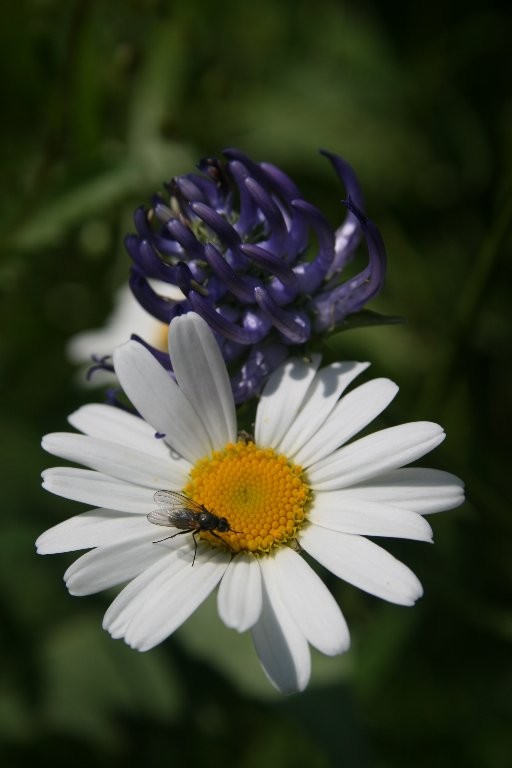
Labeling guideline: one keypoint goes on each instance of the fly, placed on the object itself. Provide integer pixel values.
(179, 511)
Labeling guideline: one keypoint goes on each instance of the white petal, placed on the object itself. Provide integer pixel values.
(362, 563)
(377, 453)
(175, 594)
(128, 602)
(281, 646)
(309, 602)
(95, 528)
(421, 490)
(160, 401)
(113, 459)
(127, 317)
(92, 487)
(202, 376)
(239, 596)
(354, 411)
(118, 426)
(281, 399)
(339, 511)
(320, 399)
(107, 566)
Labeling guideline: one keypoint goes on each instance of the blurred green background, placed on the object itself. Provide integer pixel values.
(102, 102)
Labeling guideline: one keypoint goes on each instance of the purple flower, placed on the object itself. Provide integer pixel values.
(255, 259)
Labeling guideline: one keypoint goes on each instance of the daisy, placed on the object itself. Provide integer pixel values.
(299, 484)
(127, 317)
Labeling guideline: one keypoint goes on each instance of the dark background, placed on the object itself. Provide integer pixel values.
(102, 102)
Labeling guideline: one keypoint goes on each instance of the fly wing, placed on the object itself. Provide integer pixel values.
(177, 511)
(172, 499)
(175, 501)
(182, 518)
(161, 517)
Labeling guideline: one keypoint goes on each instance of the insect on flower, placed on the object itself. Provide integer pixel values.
(180, 511)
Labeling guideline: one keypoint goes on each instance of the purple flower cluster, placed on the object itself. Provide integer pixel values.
(256, 260)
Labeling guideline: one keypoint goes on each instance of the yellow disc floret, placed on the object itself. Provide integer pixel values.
(262, 495)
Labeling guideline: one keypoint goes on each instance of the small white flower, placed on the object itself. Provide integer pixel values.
(127, 317)
(300, 484)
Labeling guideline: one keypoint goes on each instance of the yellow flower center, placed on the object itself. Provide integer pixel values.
(261, 494)
(160, 336)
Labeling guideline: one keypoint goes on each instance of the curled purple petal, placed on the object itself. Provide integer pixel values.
(221, 325)
(348, 234)
(274, 266)
(218, 224)
(271, 213)
(146, 258)
(293, 325)
(310, 274)
(161, 241)
(242, 289)
(261, 361)
(347, 176)
(332, 307)
(184, 236)
(190, 190)
(253, 168)
(156, 305)
(248, 210)
(280, 182)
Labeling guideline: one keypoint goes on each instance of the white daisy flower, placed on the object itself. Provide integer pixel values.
(127, 317)
(299, 485)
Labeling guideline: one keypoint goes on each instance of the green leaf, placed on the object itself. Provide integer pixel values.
(366, 318)
(88, 677)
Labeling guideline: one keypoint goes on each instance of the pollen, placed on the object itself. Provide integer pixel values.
(262, 495)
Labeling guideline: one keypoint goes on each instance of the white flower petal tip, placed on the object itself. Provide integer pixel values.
(44, 545)
(47, 442)
(100, 490)
(110, 565)
(48, 543)
(282, 648)
(115, 425)
(349, 416)
(202, 376)
(160, 401)
(416, 489)
(307, 433)
(362, 563)
(309, 602)
(190, 323)
(282, 398)
(239, 599)
(375, 454)
(339, 511)
(95, 528)
(152, 607)
(122, 463)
